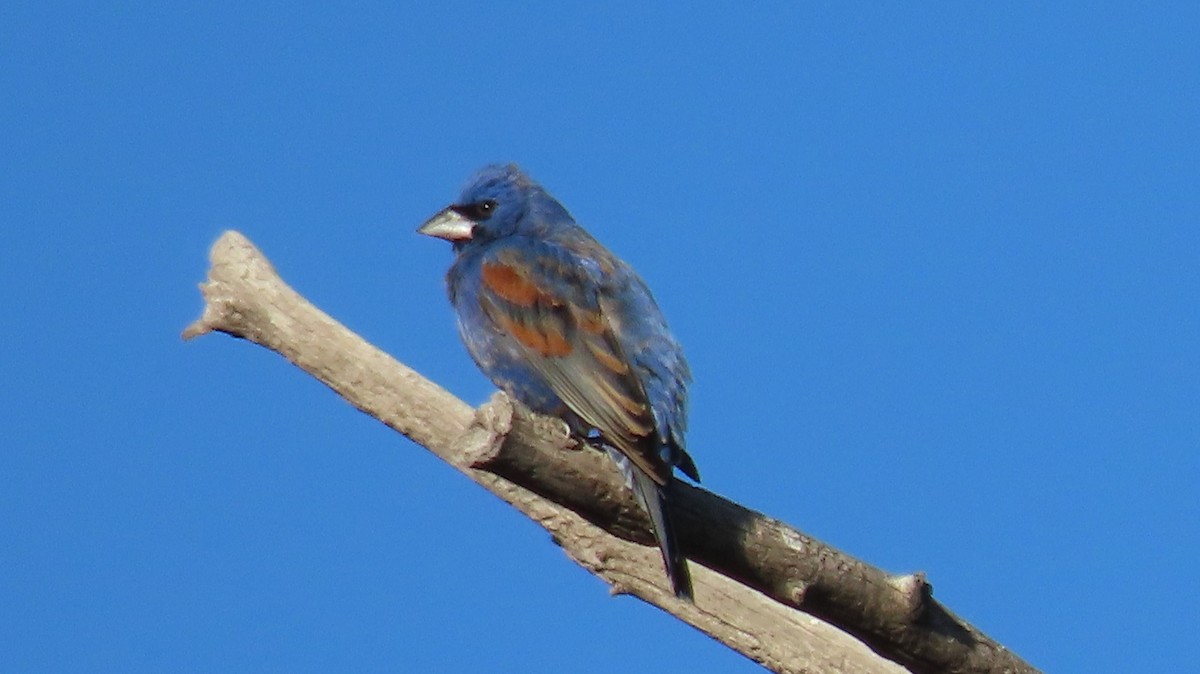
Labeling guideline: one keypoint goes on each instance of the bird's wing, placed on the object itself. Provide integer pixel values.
(547, 299)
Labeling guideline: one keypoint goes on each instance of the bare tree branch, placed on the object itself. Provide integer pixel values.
(780, 597)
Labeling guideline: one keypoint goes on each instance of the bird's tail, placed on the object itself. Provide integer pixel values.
(653, 498)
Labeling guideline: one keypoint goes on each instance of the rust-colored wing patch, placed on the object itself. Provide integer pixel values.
(544, 339)
(528, 312)
(511, 286)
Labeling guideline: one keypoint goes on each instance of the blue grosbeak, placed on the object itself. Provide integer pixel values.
(565, 327)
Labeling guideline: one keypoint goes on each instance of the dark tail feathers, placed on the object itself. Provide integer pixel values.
(654, 499)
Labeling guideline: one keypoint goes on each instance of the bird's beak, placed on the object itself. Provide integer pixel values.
(448, 224)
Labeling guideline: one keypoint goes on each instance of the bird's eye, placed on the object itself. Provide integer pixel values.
(484, 209)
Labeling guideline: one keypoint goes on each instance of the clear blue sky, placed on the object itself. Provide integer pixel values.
(935, 270)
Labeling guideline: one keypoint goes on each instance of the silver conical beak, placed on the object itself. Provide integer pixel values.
(448, 224)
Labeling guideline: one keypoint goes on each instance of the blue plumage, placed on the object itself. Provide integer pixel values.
(567, 328)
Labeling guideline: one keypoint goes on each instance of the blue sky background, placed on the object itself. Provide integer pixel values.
(935, 269)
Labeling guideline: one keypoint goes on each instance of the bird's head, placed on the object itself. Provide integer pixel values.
(499, 201)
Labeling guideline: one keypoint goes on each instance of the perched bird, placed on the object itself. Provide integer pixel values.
(562, 325)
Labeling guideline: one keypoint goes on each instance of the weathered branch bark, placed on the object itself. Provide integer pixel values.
(766, 590)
